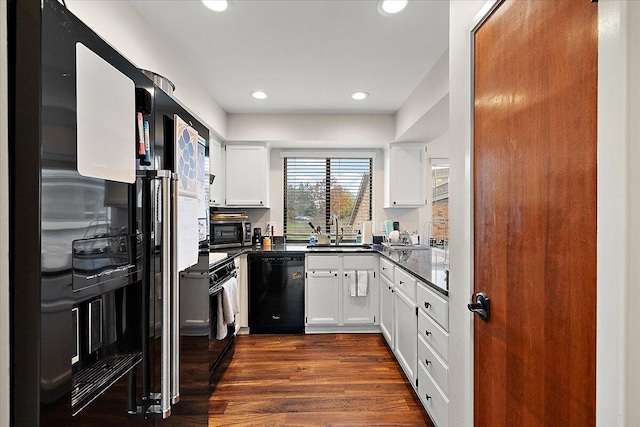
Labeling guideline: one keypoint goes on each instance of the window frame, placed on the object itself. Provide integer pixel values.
(321, 154)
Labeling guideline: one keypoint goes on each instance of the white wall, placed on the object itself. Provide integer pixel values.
(4, 225)
(633, 184)
(461, 19)
(313, 130)
(618, 320)
(120, 25)
(429, 92)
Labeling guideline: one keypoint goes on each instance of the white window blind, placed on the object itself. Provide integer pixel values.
(317, 188)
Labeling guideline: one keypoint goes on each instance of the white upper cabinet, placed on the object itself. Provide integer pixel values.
(216, 169)
(247, 175)
(405, 176)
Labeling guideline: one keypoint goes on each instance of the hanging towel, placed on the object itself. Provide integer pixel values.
(231, 292)
(221, 326)
(353, 285)
(228, 307)
(363, 283)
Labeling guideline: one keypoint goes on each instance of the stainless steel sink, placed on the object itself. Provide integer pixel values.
(340, 247)
(403, 246)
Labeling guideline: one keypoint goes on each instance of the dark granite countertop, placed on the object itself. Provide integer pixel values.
(430, 266)
(427, 265)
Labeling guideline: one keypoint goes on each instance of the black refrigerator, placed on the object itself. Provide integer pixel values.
(94, 265)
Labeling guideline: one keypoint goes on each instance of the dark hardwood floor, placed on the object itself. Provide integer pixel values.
(314, 380)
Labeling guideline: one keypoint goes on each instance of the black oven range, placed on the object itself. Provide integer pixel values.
(221, 334)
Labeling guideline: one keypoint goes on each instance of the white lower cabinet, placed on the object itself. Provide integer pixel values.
(329, 303)
(433, 353)
(386, 311)
(405, 331)
(322, 298)
(432, 398)
(359, 309)
(434, 364)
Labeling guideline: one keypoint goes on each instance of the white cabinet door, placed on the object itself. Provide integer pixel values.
(247, 175)
(406, 335)
(386, 311)
(360, 310)
(322, 297)
(216, 163)
(406, 176)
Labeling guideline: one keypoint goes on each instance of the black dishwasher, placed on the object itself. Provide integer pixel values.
(276, 293)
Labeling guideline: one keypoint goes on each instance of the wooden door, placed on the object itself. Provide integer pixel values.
(535, 108)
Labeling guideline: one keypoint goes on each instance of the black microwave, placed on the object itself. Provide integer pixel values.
(229, 233)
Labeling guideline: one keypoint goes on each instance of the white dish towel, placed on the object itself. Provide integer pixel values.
(353, 285)
(363, 283)
(228, 307)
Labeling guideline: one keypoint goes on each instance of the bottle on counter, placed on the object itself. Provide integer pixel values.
(359, 237)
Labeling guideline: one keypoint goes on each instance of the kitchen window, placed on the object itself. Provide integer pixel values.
(317, 188)
(439, 225)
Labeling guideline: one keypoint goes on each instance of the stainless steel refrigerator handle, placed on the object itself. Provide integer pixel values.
(166, 364)
(175, 297)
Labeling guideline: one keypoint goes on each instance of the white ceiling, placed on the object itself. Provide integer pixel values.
(307, 55)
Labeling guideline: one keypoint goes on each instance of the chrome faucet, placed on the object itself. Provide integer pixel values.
(336, 223)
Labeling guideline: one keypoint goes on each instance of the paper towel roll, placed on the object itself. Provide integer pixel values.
(367, 232)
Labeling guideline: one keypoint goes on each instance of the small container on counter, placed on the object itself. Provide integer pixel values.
(266, 242)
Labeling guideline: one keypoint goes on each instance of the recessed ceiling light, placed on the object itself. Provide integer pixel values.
(216, 5)
(258, 94)
(389, 7)
(359, 96)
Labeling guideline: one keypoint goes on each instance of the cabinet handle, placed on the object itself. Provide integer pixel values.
(336, 274)
(384, 268)
(401, 282)
(427, 361)
(427, 304)
(426, 396)
(394, 203)
(427, 332)
(346, 275)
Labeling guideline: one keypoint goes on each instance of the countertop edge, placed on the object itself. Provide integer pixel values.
(236, 252)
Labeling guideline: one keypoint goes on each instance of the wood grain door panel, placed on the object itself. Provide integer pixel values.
(535, 109)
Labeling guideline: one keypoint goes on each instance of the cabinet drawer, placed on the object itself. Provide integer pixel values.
(406, 283)
(359, 262)
(434, 335)
(386, 268)
(320, 262)
(434, 305)
(434, 401)
(433, 364)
